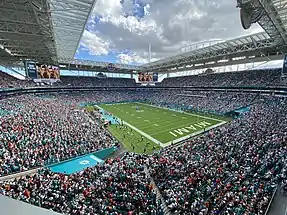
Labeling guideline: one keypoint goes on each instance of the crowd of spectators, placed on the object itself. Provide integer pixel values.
(194, 100)
(8, 81)
(35, 131)
(78, 81)
(203, 100)
(267, 77)
(56, 129)
(120, 186)
(231, 170)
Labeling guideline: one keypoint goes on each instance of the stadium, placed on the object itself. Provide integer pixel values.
(136, 108)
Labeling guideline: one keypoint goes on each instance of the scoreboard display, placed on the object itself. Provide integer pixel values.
(146, 77)
(41, 71)
(48, 71)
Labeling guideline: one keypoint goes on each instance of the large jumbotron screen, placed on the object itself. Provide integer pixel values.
(147, 77)
(48, 71)
(37, 71)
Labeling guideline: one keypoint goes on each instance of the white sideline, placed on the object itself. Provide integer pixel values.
(139, 131)
(222, 122)
(144, 134)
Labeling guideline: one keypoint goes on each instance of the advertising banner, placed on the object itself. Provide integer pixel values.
(31, 69)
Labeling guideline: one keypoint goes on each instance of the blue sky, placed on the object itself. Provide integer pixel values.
(137, 10)
(120, 30)
(83, 53)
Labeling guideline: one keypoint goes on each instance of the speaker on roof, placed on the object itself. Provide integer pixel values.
(246, 19)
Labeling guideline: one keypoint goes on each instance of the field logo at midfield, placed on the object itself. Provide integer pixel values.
(187, 129)
(84, 162)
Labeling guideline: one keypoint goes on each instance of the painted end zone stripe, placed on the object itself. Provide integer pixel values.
(193, 134)
(144, 134)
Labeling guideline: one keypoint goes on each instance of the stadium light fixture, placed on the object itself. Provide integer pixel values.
(8, 51)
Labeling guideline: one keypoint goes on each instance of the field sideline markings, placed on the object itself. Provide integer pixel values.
(168, 123)
(174, 122)
(154, 119)
(197, 115)
(193, 134)
(144, 134)
(171, 122)
(181, 126)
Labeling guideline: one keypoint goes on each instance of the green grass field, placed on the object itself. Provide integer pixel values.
(157, 125)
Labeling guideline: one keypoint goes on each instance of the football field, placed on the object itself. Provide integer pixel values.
(160, 125)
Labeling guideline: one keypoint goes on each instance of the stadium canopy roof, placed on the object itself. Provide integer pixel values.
(69, 18)
(49, 31)
(42, 30)
(271, 15)
(251, 48)
(281, 15)
(26, 31)
(96, 66)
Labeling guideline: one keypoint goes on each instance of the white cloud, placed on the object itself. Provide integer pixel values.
(168, 24)
(132, 58)
(95, 45)
(108, 8)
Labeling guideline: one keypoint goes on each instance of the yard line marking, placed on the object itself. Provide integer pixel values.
(144, 134)
(146, 120)
(176, 126)
(156, 125)
(183, 117)
(173, 115)
(138, 117)
(197, 115)
(193, 134)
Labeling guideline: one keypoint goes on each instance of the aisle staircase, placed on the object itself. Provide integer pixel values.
(159, 197)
